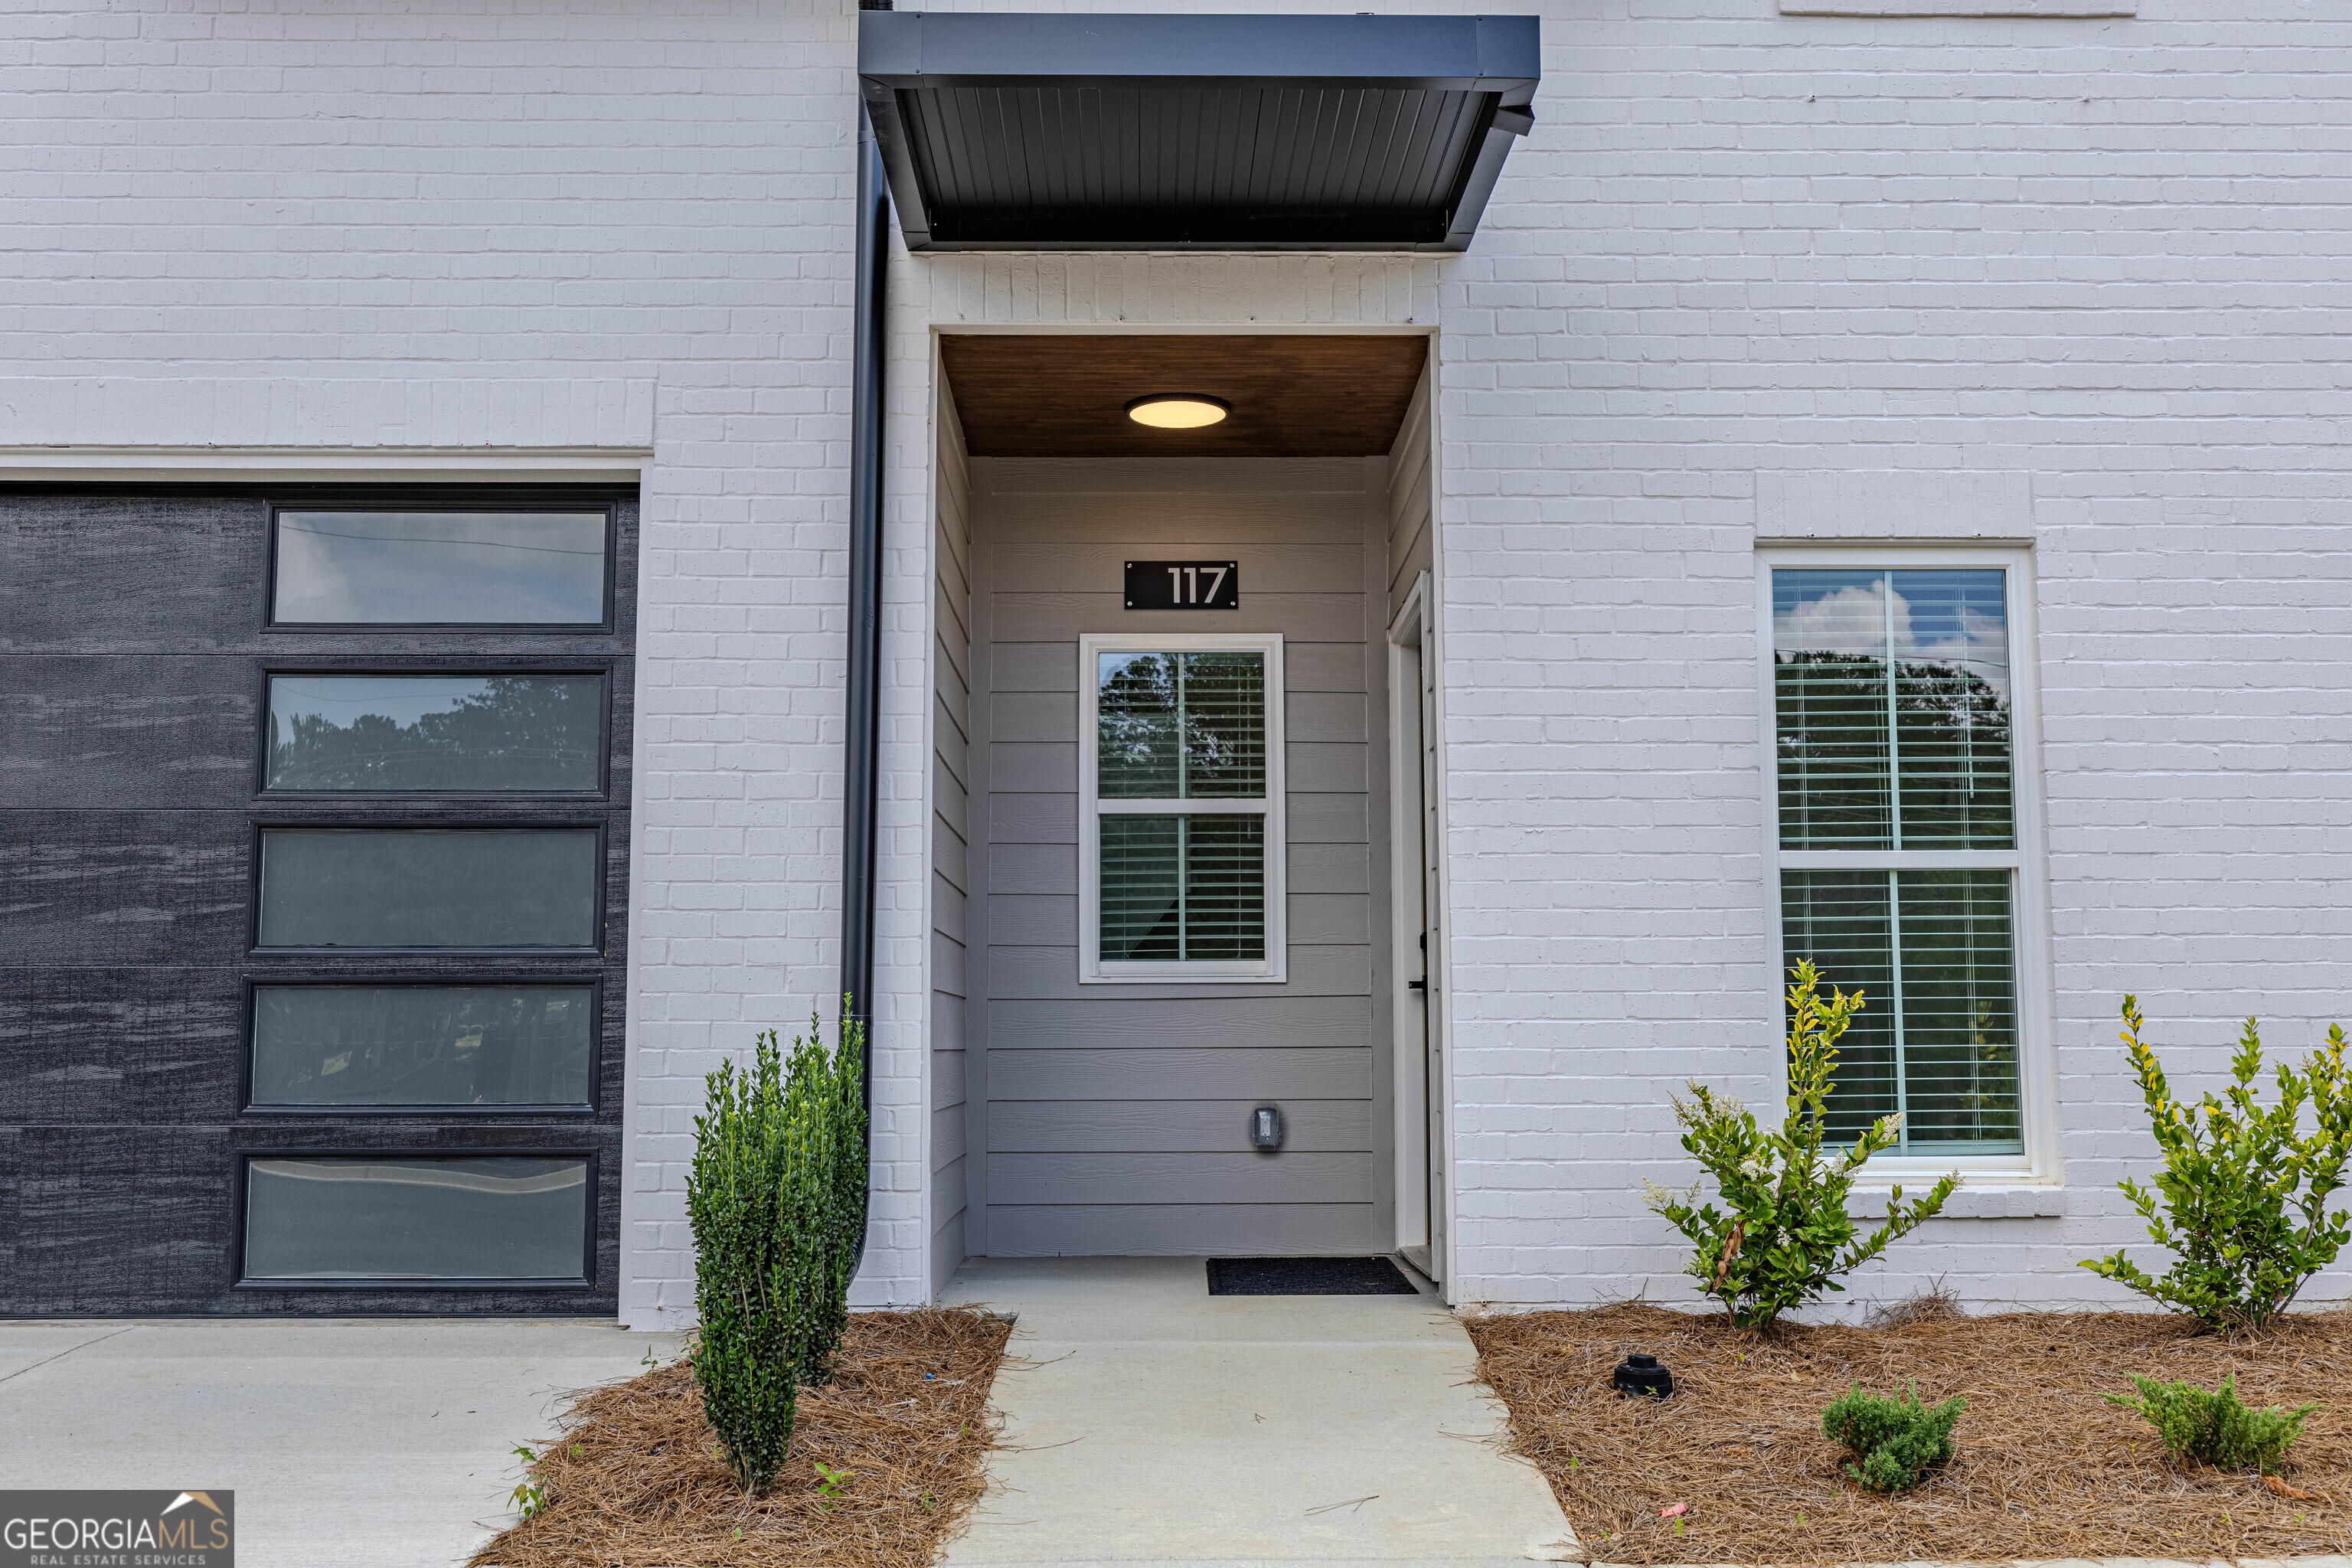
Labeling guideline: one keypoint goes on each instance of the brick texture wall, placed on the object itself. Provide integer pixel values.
(2059, 280)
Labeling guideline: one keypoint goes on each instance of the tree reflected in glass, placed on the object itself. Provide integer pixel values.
(485, 732)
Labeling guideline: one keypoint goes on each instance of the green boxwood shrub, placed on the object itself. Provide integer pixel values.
(777, 1201)
(827, 1097)
(2242, 1197)
(2214, 1427)
(1783, 1235)
(1892, 1439)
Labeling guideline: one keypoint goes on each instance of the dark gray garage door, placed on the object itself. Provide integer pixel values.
(314, 812)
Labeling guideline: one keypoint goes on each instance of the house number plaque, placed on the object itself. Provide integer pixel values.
(1183, 585)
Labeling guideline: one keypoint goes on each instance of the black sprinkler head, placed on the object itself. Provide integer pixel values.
(1643, 1374)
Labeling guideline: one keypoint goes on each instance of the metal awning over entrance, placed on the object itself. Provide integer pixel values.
(1086, 131)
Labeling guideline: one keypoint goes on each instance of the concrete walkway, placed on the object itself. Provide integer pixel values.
(360, 1445)
(1154, 1423)
(1148, 1422)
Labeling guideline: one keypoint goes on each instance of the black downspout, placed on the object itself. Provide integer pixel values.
(862, 741)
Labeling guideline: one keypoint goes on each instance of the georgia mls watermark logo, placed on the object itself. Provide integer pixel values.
(117, 1530)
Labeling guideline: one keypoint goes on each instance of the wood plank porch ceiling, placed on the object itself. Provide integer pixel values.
(1066, 396)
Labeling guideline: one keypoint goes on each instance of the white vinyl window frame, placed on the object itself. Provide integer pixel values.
(1274, 968)
(2026, 860)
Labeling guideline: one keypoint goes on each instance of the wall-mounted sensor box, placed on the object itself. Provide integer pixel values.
(1266, 1127)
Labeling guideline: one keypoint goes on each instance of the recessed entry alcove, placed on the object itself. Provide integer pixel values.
(1178, 846)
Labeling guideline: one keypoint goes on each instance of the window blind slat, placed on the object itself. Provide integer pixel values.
(1224, 725)
(1142, 916)
(1136, 726)
(1937, 1039)
(1184, 889)
(1180, 726)
(1890, 699)
(1959, 1012)
(1842, 921)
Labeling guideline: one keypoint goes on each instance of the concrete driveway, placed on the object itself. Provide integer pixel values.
(353, 1444)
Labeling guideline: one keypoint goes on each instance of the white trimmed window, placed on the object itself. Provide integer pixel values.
(1179, 808)
(1905, 837)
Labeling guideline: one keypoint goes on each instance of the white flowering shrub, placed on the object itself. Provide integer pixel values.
(1781, 1236)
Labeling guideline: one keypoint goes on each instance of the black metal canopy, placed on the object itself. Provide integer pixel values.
(1086, 131)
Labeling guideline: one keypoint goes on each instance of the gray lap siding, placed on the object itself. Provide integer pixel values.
(1115, 1117)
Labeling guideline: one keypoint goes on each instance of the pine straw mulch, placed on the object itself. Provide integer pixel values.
(2044, 1467)
(633, 1482)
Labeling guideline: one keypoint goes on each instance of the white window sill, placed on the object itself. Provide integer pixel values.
(1959, 7)
(1977, 1198)
(1193, 974)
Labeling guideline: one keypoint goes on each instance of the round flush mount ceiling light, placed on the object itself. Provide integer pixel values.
(1179, 410)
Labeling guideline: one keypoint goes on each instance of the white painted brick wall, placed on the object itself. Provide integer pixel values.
(2070, 282)
(541, 224)
(2076, 281)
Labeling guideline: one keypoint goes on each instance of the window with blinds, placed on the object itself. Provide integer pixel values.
(1180, 800)
(1898, 840)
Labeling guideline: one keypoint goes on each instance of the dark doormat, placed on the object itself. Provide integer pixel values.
(1307, 1277)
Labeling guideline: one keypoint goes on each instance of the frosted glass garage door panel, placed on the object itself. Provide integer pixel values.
(434, 731)
(440, 568)
(371, 1217)
(423, 1044)
(425, 886)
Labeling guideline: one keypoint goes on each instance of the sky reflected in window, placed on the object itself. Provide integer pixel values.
(535, 568)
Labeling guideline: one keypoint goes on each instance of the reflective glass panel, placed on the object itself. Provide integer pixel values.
(434, 731)
(1937, 1037)
(1180, 726)
(1184, 889)
(429, 568)
(375, 1216)
(423, 1044)
(428, 886)
(1892, 706)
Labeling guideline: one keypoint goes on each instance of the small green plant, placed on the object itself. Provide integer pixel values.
(777, 1200)
(831, 1482)
(834, 1112)
(1894, 1439)
(529, 1497)
(2242, 1198)
(1783, 1235)
(2214, 1427)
